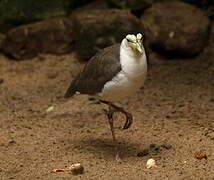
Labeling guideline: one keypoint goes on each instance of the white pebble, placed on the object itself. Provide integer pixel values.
(151, 163)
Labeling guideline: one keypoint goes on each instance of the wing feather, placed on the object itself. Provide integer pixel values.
(100, 69)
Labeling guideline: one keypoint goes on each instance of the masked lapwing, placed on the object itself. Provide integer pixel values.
(112, 75)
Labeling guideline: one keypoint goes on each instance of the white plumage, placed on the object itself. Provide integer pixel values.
(129, 79)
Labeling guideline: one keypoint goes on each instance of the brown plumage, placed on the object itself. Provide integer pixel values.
(100, 69)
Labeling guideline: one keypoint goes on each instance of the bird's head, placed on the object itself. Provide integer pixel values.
(135, 43)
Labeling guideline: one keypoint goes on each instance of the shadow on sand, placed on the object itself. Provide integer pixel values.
(105, 149)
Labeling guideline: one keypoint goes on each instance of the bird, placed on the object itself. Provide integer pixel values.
(112, 75)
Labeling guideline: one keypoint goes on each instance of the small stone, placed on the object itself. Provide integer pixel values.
(151, 163)
(143, 153)
(77, 169)
(154, 147)
(200, 155)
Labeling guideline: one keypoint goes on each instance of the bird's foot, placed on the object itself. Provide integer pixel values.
(113, 108)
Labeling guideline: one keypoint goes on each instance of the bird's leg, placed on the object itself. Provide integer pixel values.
(110, 120)
(129, 118)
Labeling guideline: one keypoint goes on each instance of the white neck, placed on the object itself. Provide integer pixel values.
(133, 64)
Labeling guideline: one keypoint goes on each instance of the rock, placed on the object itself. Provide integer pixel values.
(16, 12)
(131, 4)
(2, 38)
(182, 29)
(98, 4)
(49, 36)
(206, 5)
(96, 29)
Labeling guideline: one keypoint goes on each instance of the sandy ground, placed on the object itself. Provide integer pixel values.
(173, 120)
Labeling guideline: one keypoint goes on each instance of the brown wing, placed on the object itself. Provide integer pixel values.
(100, 69)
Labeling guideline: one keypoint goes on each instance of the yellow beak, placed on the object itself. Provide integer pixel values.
(139, 48)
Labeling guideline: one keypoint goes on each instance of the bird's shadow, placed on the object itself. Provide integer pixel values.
(105, 149)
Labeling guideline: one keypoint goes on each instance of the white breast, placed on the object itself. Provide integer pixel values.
(128, 80)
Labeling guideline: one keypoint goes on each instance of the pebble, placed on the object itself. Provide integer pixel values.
(143, 153)
(151, 163)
